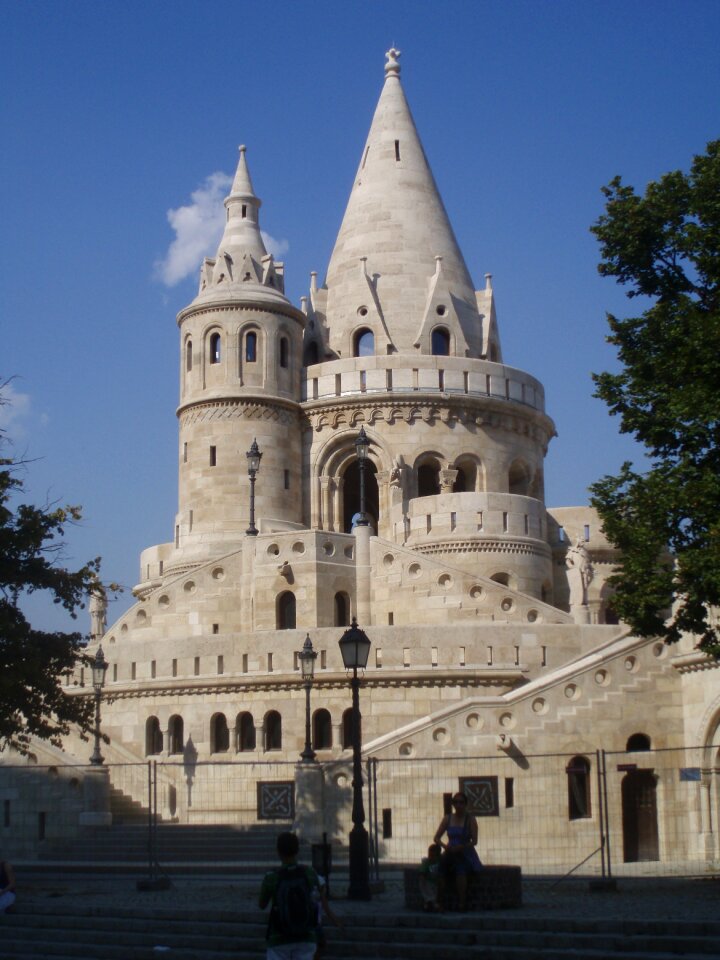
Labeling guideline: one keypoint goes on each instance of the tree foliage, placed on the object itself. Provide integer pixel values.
(664, 246)
(32, 662)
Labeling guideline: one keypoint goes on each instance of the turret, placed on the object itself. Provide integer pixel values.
(240, 344)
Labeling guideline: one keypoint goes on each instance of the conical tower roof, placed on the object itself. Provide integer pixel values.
(396, 239)
(242, 268)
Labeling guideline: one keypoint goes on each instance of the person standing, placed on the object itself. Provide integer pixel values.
(293, 892)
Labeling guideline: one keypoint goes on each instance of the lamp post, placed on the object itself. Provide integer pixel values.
(307, 658)
(253, 461)
(355, 647)
(362, 445)
(99, 668)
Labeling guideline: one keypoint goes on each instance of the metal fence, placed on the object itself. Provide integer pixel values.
(641, 812)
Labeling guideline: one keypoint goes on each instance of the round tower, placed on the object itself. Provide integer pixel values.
(399, 341)
(240, 352)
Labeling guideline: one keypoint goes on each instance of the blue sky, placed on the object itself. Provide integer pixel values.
(115, 116)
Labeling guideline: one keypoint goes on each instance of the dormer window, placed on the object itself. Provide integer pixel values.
(215, 348)
(440, 342)
(364, 343)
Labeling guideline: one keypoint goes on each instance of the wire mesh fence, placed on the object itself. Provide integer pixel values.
(636, 812)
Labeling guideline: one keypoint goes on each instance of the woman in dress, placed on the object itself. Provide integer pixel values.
(460, 858)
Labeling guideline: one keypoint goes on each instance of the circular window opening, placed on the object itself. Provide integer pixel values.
(414, 570)
(539, 706)
(141, 616)
(445, 581)
(506, 604)
(441, 310)
(507, 721)
(572, 692)
(164, 601)
(362, 311)
(532, 616)
(440, 735)
(273, 550)
(406, 750)
(473, 721)
(189, 587)
(388, 560)
(298, 547)
(328, 549)
(218, 573)
(476, 592)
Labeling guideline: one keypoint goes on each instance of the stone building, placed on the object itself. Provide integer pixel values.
(491, 623)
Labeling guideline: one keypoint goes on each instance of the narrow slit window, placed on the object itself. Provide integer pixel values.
(215, 348)
(251, 348)
(213, 456)
(244, 211)
(397, 150)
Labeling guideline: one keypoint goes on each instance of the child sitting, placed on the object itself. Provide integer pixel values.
(429, 867)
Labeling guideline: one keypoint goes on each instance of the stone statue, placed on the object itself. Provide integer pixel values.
(579, 573)
(396, 472)
(98, 614)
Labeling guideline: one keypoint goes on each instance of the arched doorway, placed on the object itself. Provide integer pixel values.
(351, 495)
(639, 816)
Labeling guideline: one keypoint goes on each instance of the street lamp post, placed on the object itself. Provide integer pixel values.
(362, 445)
(307, 658)
(253, 461)
(99, 668)
(355, 647)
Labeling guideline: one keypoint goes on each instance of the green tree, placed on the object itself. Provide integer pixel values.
(664, 246)
(32, 662)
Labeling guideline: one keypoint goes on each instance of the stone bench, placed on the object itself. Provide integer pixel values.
(494, 888)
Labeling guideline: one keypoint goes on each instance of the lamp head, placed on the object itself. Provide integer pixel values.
(307, 658)
(362, 444)
(99, 667)
(253, 458)
(355, 647)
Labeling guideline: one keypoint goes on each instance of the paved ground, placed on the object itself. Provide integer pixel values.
(648, 898)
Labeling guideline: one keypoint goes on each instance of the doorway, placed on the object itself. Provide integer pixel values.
(639, 816)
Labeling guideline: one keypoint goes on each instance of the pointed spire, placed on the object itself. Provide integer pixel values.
(242, 229)
(396, 219)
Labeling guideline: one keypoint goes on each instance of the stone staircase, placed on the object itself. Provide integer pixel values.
(59, 932)
(179, 847)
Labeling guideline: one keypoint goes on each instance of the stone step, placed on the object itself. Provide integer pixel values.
(136, 934)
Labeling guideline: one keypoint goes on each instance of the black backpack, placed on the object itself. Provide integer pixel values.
(295, 913)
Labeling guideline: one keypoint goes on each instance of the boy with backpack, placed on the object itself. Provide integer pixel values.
(293, 891)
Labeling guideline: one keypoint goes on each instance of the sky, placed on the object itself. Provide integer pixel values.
(120, 125)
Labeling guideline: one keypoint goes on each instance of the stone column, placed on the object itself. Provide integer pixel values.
(447, 479)
(362, 574)
(96, 791)
(325, 519)
(309, 823)
(336, 519)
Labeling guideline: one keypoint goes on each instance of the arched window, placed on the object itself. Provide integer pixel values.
(176, 734)
(272, 730)
(215, 348)
(321, 730)
(518, 479)
(347, 728)
(245, 732)
(188, 356)
(428, 479)
(153, 737)
(440, 342)
(364, 343)
(638, 742)
(503, 578)
(342, 610)
(251, 347)
(286, 611)
(284, 351)
(460, 485)
(312, 354)
(219, 734)
(466, 480)
(578, 775)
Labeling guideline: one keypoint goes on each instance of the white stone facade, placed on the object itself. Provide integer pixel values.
(459, 580)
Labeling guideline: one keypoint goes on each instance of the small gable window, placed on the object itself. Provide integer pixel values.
(251, 348)
(215, 348)
(440, 342)
(364, 343)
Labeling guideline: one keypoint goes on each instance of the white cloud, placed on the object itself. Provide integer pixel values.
(14, 409)
(198, 228)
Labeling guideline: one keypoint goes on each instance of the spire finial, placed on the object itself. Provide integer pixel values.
(242, 148)
(392, 67)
